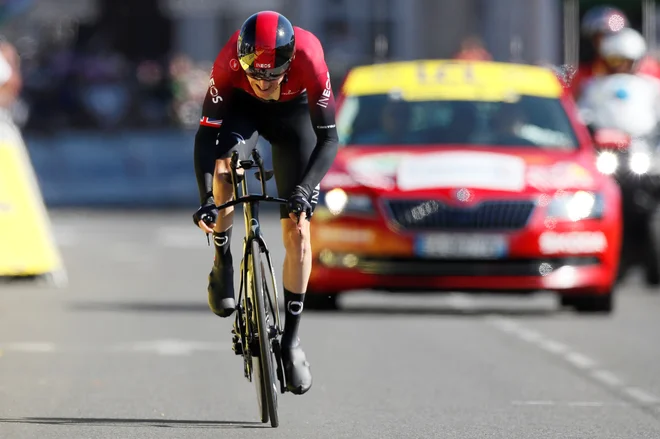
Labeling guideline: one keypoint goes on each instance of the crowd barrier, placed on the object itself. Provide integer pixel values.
(143, 169)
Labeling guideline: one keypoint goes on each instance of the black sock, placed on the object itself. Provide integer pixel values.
(222, 243)
(293, 307)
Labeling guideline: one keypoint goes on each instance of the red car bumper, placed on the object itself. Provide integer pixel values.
(360, 254)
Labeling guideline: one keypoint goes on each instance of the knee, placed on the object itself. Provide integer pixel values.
(296, 243)
(222, 189)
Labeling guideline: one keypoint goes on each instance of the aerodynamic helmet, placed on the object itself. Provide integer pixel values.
(266, 45)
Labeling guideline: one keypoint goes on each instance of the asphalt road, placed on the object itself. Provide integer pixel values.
(130, 350)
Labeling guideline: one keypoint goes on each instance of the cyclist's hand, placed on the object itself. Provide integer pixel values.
(206, 216)
(299, 205)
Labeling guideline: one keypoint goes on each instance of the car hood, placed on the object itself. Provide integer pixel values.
(500, 170)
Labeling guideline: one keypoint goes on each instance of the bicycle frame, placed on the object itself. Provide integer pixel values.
(251, 217)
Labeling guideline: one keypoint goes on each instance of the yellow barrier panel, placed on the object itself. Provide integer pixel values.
(27, 246)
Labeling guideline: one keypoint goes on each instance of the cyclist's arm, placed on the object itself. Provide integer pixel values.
(213, 110)
(322, 112)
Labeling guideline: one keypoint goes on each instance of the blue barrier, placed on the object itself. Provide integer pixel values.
(132, 169)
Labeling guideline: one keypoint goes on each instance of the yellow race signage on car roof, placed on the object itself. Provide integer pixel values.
(453, 80)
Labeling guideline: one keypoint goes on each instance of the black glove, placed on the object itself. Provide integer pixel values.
(299, 202)
(208, 213)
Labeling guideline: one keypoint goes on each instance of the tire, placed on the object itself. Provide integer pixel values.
(321, 301)
(591, 304)
(267, 375)
(652, 251)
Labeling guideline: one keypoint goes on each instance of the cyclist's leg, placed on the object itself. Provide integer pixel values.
(292, 148)
(237, 131)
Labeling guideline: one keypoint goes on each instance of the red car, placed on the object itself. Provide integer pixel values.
(464, 176)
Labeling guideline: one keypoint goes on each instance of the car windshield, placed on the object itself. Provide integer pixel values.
(521, 121)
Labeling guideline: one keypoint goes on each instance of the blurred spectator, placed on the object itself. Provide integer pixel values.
(189, 85)
(472, 48)
(11, 80)
(598, 22)
(623, 98)
(86, 83)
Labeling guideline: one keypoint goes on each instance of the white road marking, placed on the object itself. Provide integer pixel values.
(607, 377)
(642, 396)
(577, 359)
(505, 325)
(580, 360)
(533, 402)
(159, 347)
(175, 347)
(32, 347)
(529, 335)
(586, 404)
(553, 346)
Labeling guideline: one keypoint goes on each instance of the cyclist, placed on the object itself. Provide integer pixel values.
(623, 98)
(597, 23)
(269, 80)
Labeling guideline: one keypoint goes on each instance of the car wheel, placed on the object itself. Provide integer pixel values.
(566, 301)
(321, 301)
(591, 304)
(652, 251)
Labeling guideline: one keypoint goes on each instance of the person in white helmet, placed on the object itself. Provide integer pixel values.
(599, 23)
(623, 98)
(622, 52)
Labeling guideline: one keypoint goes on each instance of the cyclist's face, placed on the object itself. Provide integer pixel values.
(619, 65)
(266, 89)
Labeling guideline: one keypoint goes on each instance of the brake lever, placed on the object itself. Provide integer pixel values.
(204, 219)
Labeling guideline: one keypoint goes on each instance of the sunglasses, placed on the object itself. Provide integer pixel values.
(268, 74)
(264, 76)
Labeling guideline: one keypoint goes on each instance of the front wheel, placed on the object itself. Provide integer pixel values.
(266, 369)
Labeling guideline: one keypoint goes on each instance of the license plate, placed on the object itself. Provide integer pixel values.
(471, 246)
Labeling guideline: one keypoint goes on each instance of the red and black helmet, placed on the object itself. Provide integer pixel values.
(266, 45)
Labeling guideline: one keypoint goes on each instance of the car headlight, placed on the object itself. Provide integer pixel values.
(639, 163)
(338, 201)
(577, 206)
(607, 162)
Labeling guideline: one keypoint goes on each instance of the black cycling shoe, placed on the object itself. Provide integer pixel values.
(296, 370)
(221, 290)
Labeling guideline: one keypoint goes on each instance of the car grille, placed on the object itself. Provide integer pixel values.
(469, 267)
(433, 214)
